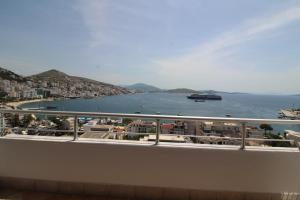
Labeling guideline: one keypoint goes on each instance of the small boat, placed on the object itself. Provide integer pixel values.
(37, 108)
(228, 115)
(50, 107)
(74, 97)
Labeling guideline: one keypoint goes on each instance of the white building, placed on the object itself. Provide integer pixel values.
(292, 135)
(30, 93)
(220, 128)
(255, 133)
(142, 127)
(93, 126)
(69, 123)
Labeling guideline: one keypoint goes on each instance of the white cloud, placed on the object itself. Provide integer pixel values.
(108, 20)
(208, 65)
(211, 65)
(94, 16)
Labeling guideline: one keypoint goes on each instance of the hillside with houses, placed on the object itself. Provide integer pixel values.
(53, 83)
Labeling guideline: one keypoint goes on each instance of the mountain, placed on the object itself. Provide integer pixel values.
(54, 83)
(52, 74)
(142, 87)
(181, 90)
(11, 76)
(78, 85)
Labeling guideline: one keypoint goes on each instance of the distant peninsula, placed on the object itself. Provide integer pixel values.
(181, 90)
(146, 88)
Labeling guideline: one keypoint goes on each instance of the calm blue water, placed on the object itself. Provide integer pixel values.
(237, 105)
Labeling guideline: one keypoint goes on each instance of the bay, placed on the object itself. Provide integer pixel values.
(236, 105)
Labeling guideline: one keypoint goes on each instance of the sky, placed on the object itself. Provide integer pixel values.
(231, 45)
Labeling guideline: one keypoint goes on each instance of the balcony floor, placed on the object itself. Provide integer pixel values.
(9, 194)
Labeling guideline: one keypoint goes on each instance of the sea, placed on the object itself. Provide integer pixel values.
(235, 105)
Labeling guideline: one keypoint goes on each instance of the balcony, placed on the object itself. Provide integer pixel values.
(129, 169)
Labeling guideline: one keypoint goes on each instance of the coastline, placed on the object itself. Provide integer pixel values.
(16, 104)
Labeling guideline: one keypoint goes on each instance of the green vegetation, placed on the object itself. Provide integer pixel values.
(266, 127)
(59, 122)
(3, 94)
(133, 137)
(28, 119)
(277, 143)
(152, 130)
(15, 120)
(269, 135)
(127, 121)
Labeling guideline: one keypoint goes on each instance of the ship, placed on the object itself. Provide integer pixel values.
(205, 97)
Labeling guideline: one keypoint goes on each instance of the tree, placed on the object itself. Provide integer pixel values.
(152, 130)
(28, 119)
(127, 121)
(277, 143)
(15, 120)
(3, 94)
(266, 127)
(59, 122)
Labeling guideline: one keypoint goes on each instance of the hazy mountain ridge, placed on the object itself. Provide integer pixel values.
(181, 90)
(142, 87)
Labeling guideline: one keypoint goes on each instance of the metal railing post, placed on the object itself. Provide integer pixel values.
(75, 127)
(157, 131)
(2, 124)
(243, 144)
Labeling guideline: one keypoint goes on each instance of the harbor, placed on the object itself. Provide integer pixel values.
(293, 114)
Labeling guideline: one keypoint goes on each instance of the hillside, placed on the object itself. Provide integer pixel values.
(53, 83)
(11, 76)
(142, 87)
(53, 74)
(79, 85)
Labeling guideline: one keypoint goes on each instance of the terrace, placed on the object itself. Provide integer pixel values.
(132, 169)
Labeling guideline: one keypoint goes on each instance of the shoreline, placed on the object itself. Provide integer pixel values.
(16, 104)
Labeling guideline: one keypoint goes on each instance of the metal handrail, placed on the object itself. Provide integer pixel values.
(242, 121)
(150, 116)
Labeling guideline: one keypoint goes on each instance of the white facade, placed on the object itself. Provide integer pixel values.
(167, 165)
(69, 123)
(142, 127)
(292, 135)
(93, 126)
(30, 93)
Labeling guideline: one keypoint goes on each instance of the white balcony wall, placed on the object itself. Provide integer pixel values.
(165, 165)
